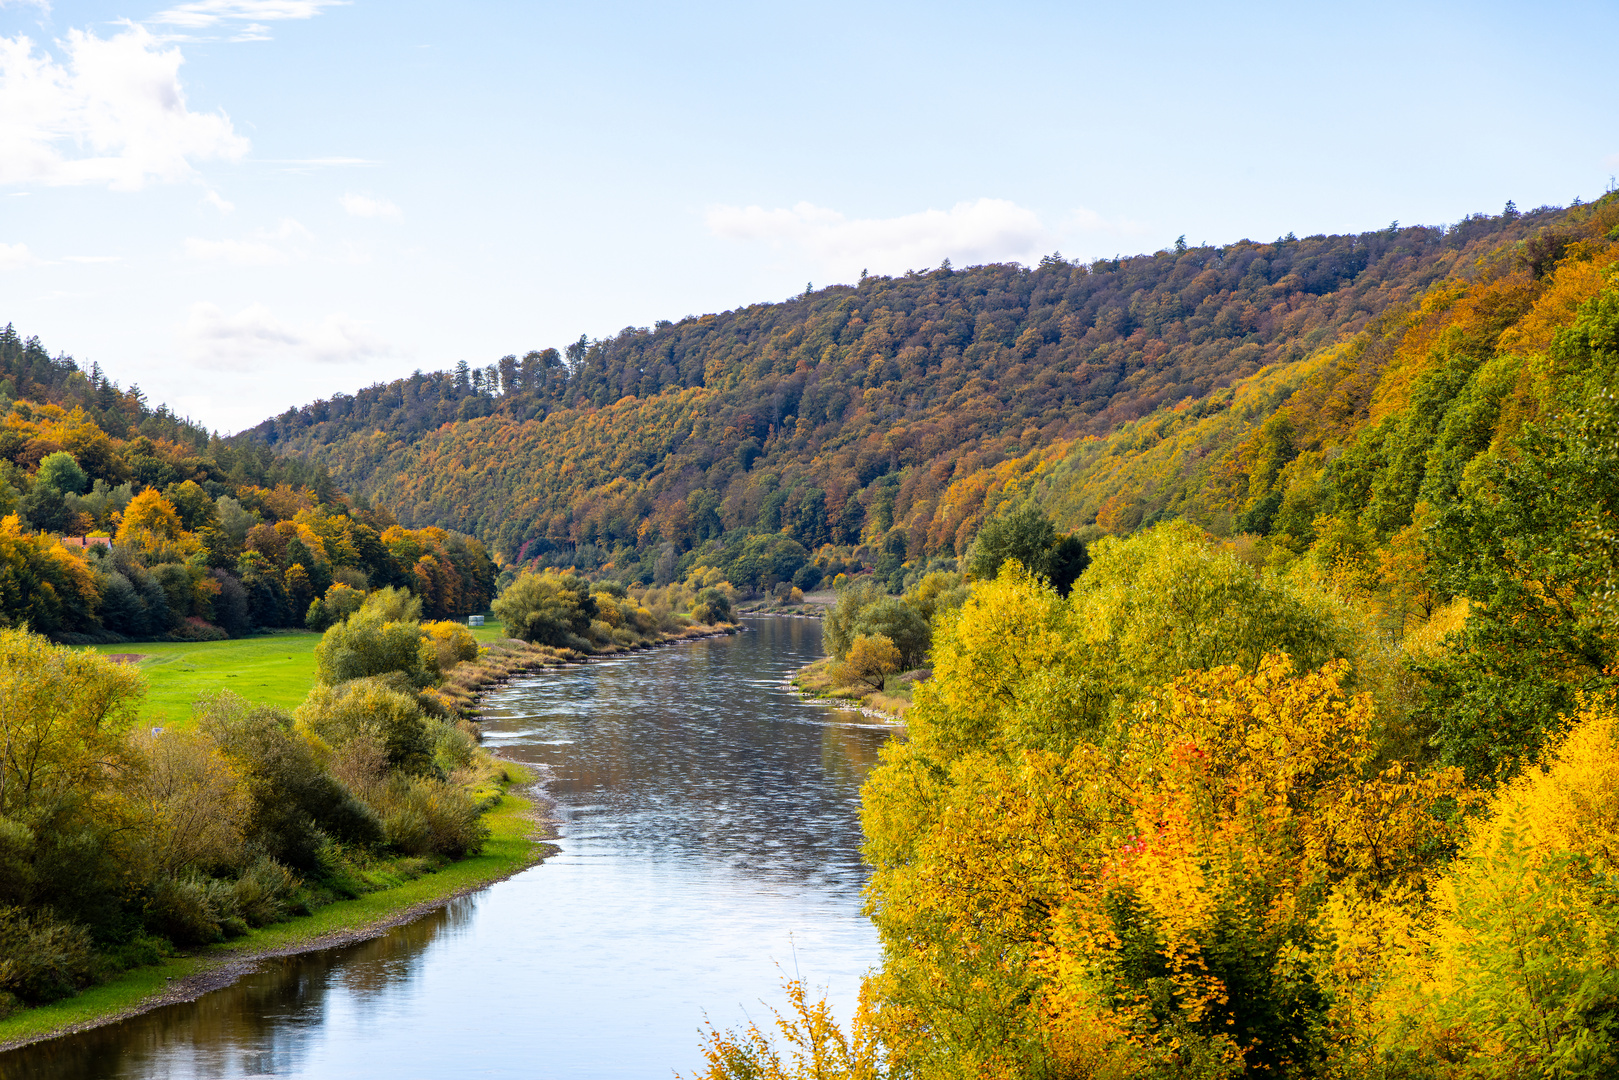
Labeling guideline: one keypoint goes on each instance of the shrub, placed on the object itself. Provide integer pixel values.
(263, 894)
(191, 808)
(454, 745)
(870, 661)
(451, 643)
(425, 816)
(191, 911)
(368, 645)
(551, 609)
(295, 804)
(371, 707)
(41, 959)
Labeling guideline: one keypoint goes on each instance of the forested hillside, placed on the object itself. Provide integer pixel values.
(1311, 770)
(921, 402)
(118, 520)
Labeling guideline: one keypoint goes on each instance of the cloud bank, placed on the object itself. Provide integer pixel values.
(113, 113)
(246, 340)
(247, 17)
(988, 230)
(367, 207)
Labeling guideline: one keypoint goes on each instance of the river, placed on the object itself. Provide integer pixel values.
(708, 830)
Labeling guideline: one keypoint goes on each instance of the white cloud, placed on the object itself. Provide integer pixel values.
(219, 202)
(1082, 220)
(208, 14)
(366, 206)
(92, 258)
(211, 338)
(318, 162)
(988, 230)
(114, 113)
(15, 256)
(265, 247)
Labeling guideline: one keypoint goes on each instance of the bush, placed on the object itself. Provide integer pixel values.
(451, 643)
(263, 894)
(425, 816)
(296, 805)
(368, 644)
(551, 609)
(454, 745)
(41, 959)
(712, 606)
(370, 707)
(193, 911)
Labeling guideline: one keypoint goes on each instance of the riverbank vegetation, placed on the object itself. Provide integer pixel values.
(1313, 779)
(510, 847)
(124, 842)
(566, 611)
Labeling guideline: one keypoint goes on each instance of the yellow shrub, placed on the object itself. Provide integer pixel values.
(451, 643)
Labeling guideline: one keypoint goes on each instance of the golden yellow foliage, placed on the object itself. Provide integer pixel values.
(1515, 970)
(870, 661)
(451, 643)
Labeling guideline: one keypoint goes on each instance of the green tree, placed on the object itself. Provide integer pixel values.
(1026, 534)
(550, 609)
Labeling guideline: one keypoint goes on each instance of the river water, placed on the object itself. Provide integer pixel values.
(708, 833)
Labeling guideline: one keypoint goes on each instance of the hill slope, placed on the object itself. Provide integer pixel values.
(920, 402)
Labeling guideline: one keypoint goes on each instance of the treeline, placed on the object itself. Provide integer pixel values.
(566, 611)
(915, 403)
(29, 372)
(103, 538)
(120, 843)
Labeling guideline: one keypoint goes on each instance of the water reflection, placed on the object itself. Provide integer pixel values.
(260, 1026)
(708, 823)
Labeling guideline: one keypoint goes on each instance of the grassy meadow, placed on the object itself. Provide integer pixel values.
(275, 669)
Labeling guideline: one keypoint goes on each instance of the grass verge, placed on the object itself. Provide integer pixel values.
(512, 846)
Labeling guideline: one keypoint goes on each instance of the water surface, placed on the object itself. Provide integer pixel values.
(708, 829)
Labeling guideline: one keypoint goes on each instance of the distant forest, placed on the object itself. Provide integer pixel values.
(916, 403)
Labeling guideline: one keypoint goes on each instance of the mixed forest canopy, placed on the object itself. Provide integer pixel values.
(118, 520)
(893, 415)
(1311, 772)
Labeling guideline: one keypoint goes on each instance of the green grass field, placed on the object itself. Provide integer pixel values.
(276, 669)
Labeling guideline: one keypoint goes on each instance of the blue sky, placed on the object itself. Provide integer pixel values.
(246, 204)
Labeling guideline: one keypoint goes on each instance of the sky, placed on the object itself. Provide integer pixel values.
(245, 205)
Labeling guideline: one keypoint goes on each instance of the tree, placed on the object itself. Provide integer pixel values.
(870, 661)
(61, 472)
(551, 609)
(1026, 534)
(1533, 544)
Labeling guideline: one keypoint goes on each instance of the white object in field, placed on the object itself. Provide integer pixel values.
(474, 620)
